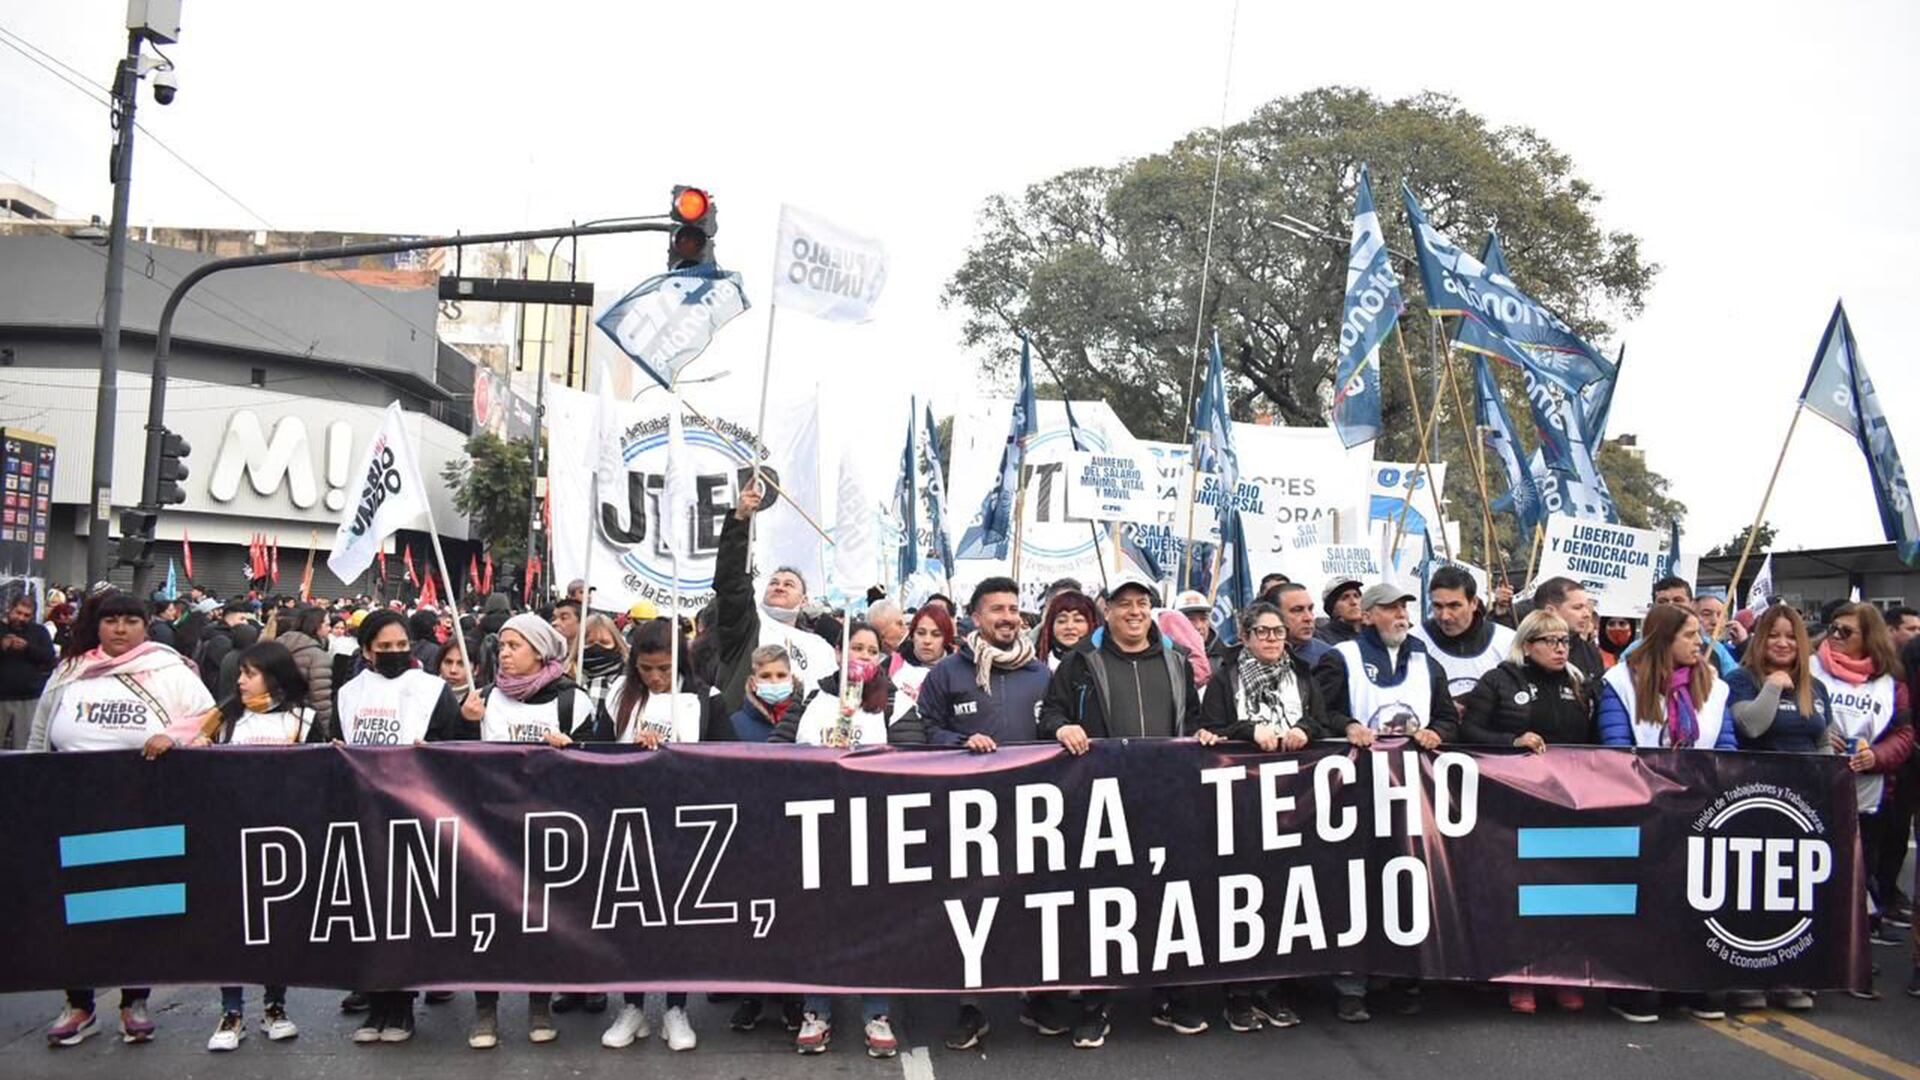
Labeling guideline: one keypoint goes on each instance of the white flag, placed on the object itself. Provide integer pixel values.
(676, 494)
(854, 555)
(391, 497)
(1762, 588)
(823, 270)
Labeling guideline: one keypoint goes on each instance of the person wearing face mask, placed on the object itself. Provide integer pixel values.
(741, 625)
(1616, 637)
(115, 691)
(1458, 634)
(859, 716)
(533, 701)
(1382, 682)
(1070, 619)
(603, 659)
(1871, 727)
(393, 703)
(771, 692)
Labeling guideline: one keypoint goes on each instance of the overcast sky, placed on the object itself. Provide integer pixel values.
(1767, 154)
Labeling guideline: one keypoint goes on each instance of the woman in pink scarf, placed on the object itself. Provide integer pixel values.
(115, 691)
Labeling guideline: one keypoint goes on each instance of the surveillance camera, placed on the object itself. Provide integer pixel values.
(165, 85)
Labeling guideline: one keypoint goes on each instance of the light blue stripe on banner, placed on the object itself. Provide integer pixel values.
(1578, 899)
(139, 902)
(1622, 842)
(123, 845)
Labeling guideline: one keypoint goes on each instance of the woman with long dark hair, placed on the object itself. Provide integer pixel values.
(115, 691)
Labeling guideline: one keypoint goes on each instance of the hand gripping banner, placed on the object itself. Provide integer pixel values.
(766, 868)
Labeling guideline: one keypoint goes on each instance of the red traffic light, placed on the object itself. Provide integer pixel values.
(691, 204)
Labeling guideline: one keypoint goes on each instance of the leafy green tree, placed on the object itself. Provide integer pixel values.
(1762, 542)
(493, 487)
(1102, 265)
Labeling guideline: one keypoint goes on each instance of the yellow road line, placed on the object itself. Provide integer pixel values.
(1781, 1050)
(1840, 1044)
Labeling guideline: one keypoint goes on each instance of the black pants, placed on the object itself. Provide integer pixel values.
(382, 1003)
(1879, 830)
(83, 999)
(1889, 853)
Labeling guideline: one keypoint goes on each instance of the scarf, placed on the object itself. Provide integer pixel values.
(97, 664)
(257, 702)
(1683, 723)
(602, 667)
(1262, 688)
(522, 687)
(1845, 668)
(988, 656)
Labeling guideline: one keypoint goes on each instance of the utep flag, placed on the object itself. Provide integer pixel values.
(1236, 589)
(1597, 400)
(1762, 589)
(391, 496)
(1497, 432)
(990, 533)
(1372, 306)
(666, 322)
(1839, 390)
(824, 270)
(1496, 317)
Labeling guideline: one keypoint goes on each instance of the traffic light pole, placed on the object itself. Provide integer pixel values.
(163, 338)
(126, 89)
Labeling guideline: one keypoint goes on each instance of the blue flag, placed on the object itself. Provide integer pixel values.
(172, 588)
(1597, 400)
(1496, 318)
(1213, 433)
(1236, 584)
(667, 321)
(1373, 304)
(1496, 430)
(936, 492)
(990, 534)
(1426, 569)
(906, 497)
(1839, 391)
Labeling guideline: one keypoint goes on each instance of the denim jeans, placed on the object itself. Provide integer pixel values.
(233, 998)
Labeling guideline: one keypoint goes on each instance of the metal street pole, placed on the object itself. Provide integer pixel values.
(126, 88)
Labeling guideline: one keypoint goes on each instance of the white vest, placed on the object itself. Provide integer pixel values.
(1463, 672)
(507, 720)
(820, 726)
(282, 728)
(811, 658)
(377, 711)
(1711, 716)
(1388, 710)
(1860, 713)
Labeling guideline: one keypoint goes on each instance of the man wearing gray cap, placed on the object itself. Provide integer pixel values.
(1382, 682)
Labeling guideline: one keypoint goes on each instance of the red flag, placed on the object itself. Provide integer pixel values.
(430, 593)
(411, 579)
(486, 583)
(253, 557)
(533, 570)
(473, 571)
(276, 558)
(383, 562)
(186, 547)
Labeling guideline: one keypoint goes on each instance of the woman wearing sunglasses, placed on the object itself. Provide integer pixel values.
(1531, 700)
(1871, 729)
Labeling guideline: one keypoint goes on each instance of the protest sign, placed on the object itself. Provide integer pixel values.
(1113, 485)
(1615, 564)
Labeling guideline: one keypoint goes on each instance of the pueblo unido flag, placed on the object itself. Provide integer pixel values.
(391, 496)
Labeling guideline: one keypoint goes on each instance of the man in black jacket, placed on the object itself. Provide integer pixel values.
(741, 625)
(1341, 598)
(26, 659)
(1133, 684)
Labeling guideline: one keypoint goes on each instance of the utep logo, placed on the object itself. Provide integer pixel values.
(1754, 869)
(124, 846)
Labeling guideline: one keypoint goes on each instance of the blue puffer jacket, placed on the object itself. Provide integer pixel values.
(954, 707)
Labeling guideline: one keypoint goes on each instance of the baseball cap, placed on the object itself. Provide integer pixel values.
(1191, 601)
(1385, 592)
(1132, 579)
(1336, 587)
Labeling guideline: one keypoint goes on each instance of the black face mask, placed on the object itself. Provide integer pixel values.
(392, 665)
(601, 658)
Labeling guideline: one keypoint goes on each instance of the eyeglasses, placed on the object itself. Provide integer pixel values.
(1556, 641)
(1842, 632)
(1266, 633)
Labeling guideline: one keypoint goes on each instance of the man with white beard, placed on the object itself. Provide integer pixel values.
(1383, 682)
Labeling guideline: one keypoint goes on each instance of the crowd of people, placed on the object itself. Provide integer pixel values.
(1354, 664)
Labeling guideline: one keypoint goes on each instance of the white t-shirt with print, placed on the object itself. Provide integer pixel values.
(283, 727)
(103, 713)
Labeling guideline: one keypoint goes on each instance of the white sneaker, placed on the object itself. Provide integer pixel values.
(880, 1040)
(228, 1035)
(677, 1030)
(631, 1024)
(275, 1023)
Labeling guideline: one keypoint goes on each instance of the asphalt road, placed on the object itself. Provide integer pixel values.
(1463, 1032)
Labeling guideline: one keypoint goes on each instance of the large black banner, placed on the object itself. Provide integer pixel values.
(761, 867)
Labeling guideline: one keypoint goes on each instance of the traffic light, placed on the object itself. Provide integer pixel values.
(173, 468)
(136, 537)
(692, 241)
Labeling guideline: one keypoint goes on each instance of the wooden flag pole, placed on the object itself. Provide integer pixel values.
(1421, 463)
(760, 477)
(1019, 512)
(1720, 624)
(1477, 464)
(1533, 559)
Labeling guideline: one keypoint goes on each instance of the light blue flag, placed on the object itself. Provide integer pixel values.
(173, 581)
(1426, 569)
(1373, 304)
(1839, 391)
(906, 498)
(990, 534)
(936, 491)
(1496, 430)
(1597, 400)
(667, 321)
(1496, 317)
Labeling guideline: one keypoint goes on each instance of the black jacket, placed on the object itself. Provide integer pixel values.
(1333, 631)
(1585, 655)
(1080, 692)
(1331, 674)
(24, 671)
(736, 617)
(1513, 699)
(1218, 712)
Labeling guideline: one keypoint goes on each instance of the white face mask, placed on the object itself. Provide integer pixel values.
(786, 616)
